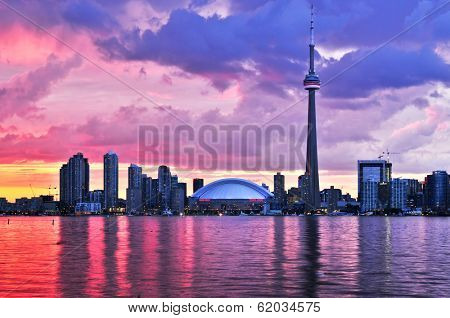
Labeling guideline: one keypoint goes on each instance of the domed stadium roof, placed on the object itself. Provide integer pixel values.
(232, 189)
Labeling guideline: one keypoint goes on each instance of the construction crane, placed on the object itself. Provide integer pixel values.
(32, 191)
(50, 188)
(387, 153)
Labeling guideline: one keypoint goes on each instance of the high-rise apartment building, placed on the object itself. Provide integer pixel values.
(111, 179)
(370, 174)
(164, 187)
(74, 181)
(146, 192)
(134, 190)
(197, 184)
(279, 191)
(437, 192)
(398, 194)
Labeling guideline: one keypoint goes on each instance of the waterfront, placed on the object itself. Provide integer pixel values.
(225, 257)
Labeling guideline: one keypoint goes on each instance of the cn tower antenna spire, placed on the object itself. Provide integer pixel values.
(311, 30)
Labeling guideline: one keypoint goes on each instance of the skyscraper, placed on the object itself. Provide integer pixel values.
(176, 200)
(197, 184)
(74, 181)
(331, 197)
(183, 187)
(311, 84)
(398, 193)
(414, 194)
(134, 190)
(278, 190)
(370, 196)
(437, 192)
(384, 196)
(64, 186)
(154, 193)
(370, 174)
(111, 179)
(303, 187)
(177, 196)
(164, 187)
(146, 192)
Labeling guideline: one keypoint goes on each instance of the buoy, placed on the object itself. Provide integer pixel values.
(53, 222)
(8, 221)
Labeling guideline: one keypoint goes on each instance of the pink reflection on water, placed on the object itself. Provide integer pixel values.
(185, 238)
(121, 255)
(150, 265)
(17, 277)
(339, 250)
(291, 250)
(96, 250)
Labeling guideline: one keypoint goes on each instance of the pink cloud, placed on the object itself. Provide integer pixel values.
(19, 96)
(166, 79)
(417, 133)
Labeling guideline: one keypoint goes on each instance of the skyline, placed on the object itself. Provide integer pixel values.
(155, 170)
(408, 112)
(378, 193)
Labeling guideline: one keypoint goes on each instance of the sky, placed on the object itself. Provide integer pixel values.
(83, 76)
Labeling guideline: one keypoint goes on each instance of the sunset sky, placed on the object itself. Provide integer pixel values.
(73, 76)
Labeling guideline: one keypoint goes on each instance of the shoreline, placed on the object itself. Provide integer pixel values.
(212, 215)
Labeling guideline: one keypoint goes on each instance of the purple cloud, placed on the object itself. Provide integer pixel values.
(269, 45)
(389, 67)
(90, 15)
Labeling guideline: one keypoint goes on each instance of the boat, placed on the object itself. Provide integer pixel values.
(167, 212)
(274, 212)
(340, 213)
(413, 213)
(243, 214)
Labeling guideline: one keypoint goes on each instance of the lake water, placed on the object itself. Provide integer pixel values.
(225, 257)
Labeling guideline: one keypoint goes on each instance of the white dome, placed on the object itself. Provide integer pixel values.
(232, 189)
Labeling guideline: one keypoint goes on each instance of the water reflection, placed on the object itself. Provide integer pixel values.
(123, 258)
(110, 241)
(29, 252)
(339, 261)
(225, 257)
(73, 256)
(311, 254)
(96, 249)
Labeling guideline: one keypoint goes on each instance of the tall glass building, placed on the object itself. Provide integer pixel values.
(370, 174)
(436, 192)
(164, 187)
(74, 181)
(111, 179)
(197, 184)
(134, 190)
(279, 191)
(398, 193)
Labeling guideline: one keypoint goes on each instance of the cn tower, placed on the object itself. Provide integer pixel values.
(311, 84)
